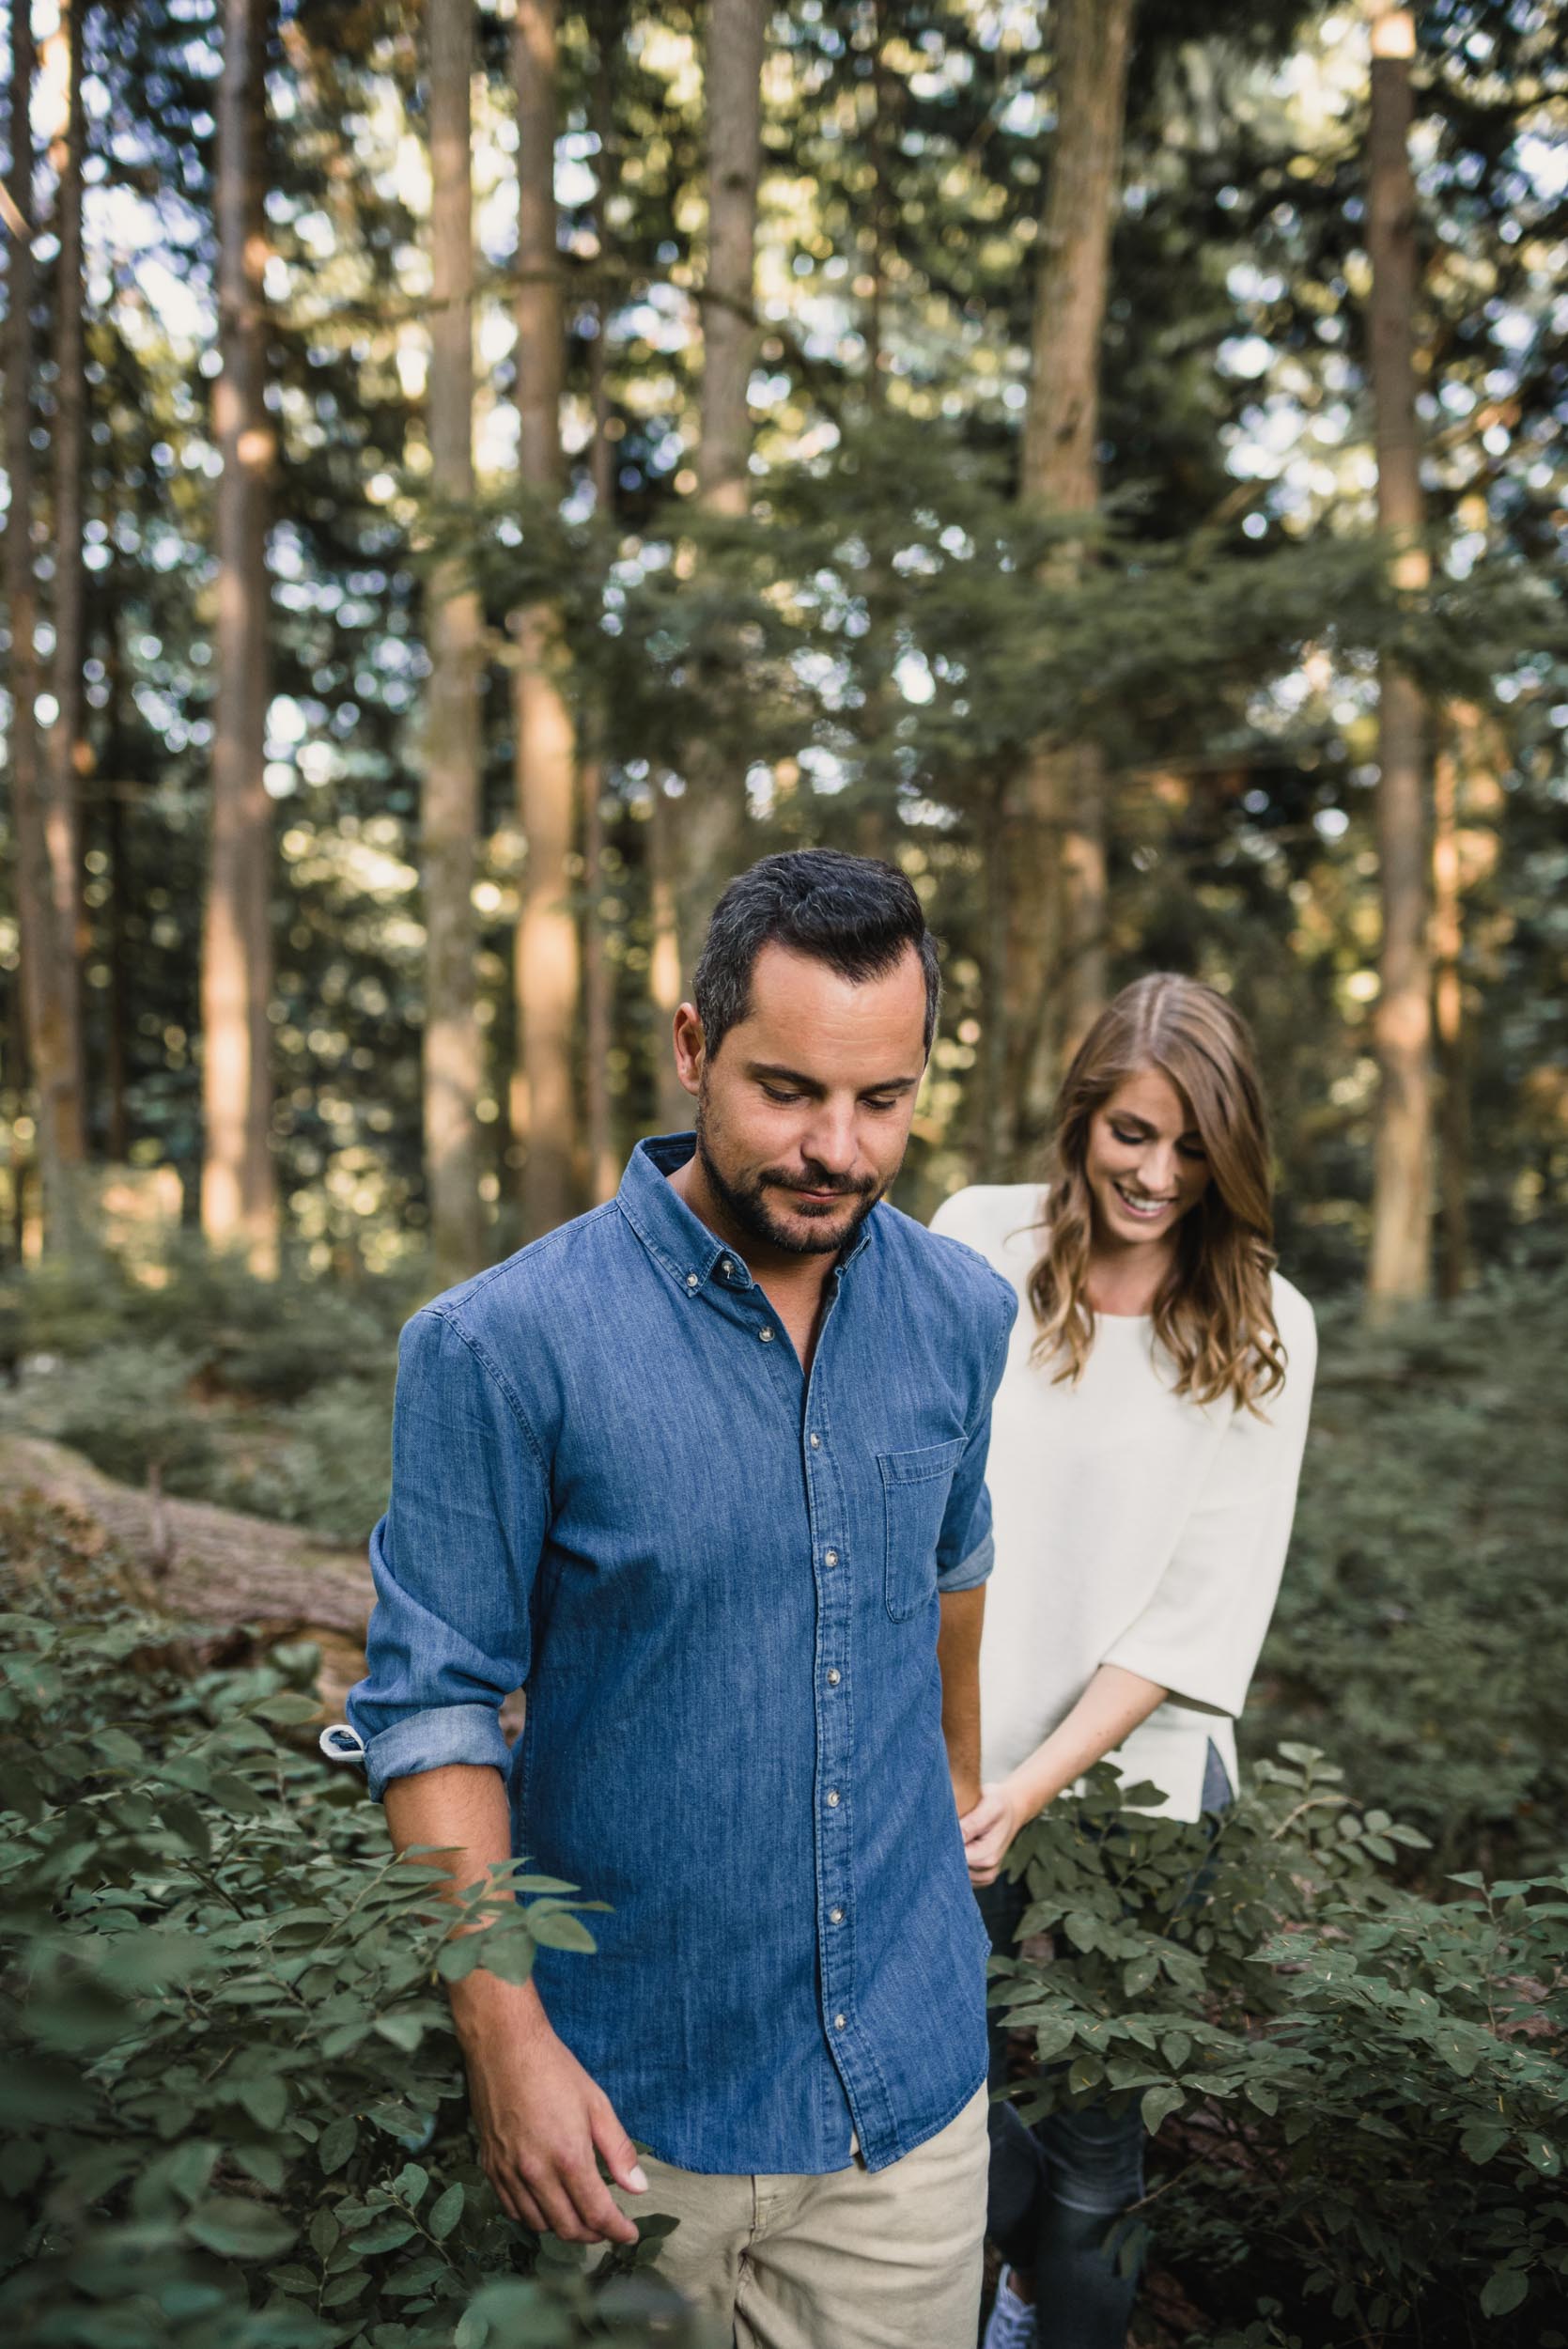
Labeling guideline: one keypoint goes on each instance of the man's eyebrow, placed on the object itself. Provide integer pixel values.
(813, 1085)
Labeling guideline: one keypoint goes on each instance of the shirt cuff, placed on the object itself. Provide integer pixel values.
(429, 1741)
(968, 1574)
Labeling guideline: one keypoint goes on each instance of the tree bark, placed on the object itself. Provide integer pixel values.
(546, 974)
(1057, 957)
(48, 970)
(70, 753)
(1452, 1037)
(603, 1168)
(1400, 1265)
(238, 1191)
(450, 794)
(710, 821)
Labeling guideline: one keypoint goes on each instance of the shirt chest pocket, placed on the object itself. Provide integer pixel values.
(915, 1486)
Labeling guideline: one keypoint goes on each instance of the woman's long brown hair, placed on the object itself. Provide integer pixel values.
(1214, 1314)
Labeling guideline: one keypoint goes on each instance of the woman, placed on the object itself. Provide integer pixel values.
(1146, 1446)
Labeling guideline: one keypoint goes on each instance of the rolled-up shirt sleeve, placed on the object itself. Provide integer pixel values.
(453, 1559)
(967, 1550)
(1201, 1631)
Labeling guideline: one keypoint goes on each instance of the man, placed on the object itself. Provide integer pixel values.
(703, 1469)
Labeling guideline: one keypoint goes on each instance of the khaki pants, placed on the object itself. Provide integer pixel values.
(849, 2260)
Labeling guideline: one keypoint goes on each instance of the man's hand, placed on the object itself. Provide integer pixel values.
(988, 1828)
(540, 2118)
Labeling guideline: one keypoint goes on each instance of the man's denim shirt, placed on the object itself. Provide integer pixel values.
(719, 1583)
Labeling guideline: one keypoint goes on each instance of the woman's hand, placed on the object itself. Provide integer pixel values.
(989, 1828)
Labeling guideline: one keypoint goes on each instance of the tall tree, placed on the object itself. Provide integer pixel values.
(1056, 931)
(1400, 1263)
(239, 1188)
(709, 819)
(543, 1102)
(450, 788)
(45, 854)
(70, 753)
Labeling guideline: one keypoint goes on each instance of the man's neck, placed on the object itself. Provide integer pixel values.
(794, 1281)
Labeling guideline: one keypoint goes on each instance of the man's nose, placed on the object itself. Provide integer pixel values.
(831, 1141)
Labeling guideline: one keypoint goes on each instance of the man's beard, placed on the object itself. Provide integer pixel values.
(746, 1202)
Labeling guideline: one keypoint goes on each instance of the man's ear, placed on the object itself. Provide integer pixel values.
(690, 1050)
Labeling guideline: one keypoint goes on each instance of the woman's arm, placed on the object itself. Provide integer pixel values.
(1110, 1709)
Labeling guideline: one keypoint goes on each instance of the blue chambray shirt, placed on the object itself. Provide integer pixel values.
(719, 1582)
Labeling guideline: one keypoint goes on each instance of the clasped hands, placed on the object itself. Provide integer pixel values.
(988, 1827)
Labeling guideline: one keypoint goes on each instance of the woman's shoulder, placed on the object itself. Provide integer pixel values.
(1292, 1312)
(989, 1216)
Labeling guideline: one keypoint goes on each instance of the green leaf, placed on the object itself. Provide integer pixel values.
(1157, 2104)
(445, 2212)
(411, 2184)
(324, 2232)
(402, 2031)
(558, 1929)
(1504, 2289)
(266, 2100)
(338, 2140)
(383, 2234)
(240, 2228)
(288, 1708)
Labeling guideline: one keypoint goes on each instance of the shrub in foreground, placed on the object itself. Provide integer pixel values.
(1363, 2093)
(232, 2115)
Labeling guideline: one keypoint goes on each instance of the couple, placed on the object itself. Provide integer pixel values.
(706, 1470)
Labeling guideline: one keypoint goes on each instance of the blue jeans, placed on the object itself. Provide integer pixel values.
(1057, 2192)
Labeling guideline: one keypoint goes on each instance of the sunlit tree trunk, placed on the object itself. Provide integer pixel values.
(599, 1120)
(69, 755)
(1448, 1000)
(1400, 1265)
(239, 1196)
(543, 1103)
(453, 1055)
(48, 971)
(1057, 910)
(710, 823)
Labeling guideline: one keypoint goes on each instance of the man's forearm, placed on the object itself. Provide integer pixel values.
(958, 1658)
(462, 1811)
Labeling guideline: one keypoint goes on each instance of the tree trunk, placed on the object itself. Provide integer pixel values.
(710, 819)
(239, 1193)
(674, 1106)
(603, 1166)
(69, 755)
(543, 1106)
(1057, 921)
(1448, 943)
(1399, 1270)
(48, 971)
(450, 797)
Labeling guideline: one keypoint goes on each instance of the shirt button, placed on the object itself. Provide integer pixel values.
(766, 1334)
(835, 1916)
(727, 1266)
(832, 1799)
(832, 1679)
(691, 1280)
(841, 2022)
(830, 1557)
(816, 1443)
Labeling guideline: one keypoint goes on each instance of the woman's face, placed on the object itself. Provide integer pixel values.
(1145, 1163)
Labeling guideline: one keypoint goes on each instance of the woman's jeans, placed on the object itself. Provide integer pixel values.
(1058, 2189)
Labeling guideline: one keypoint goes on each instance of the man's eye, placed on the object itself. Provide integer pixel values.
(882, 1100)
(774, 1094)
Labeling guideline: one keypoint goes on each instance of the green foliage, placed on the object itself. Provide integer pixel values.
(232, 2108)
(1368, 2089)
(1424, 1606)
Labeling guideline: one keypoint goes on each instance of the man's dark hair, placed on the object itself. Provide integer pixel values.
(852, 913)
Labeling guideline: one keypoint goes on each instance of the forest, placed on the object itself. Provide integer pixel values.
(478, 476)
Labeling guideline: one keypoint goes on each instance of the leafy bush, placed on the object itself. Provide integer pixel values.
(1365, 2092)
(1424, 1606)
(232, 2108)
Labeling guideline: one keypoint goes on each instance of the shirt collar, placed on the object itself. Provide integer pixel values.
(679, 1240)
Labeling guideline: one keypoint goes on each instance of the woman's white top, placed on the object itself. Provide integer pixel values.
(1133, 1526)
